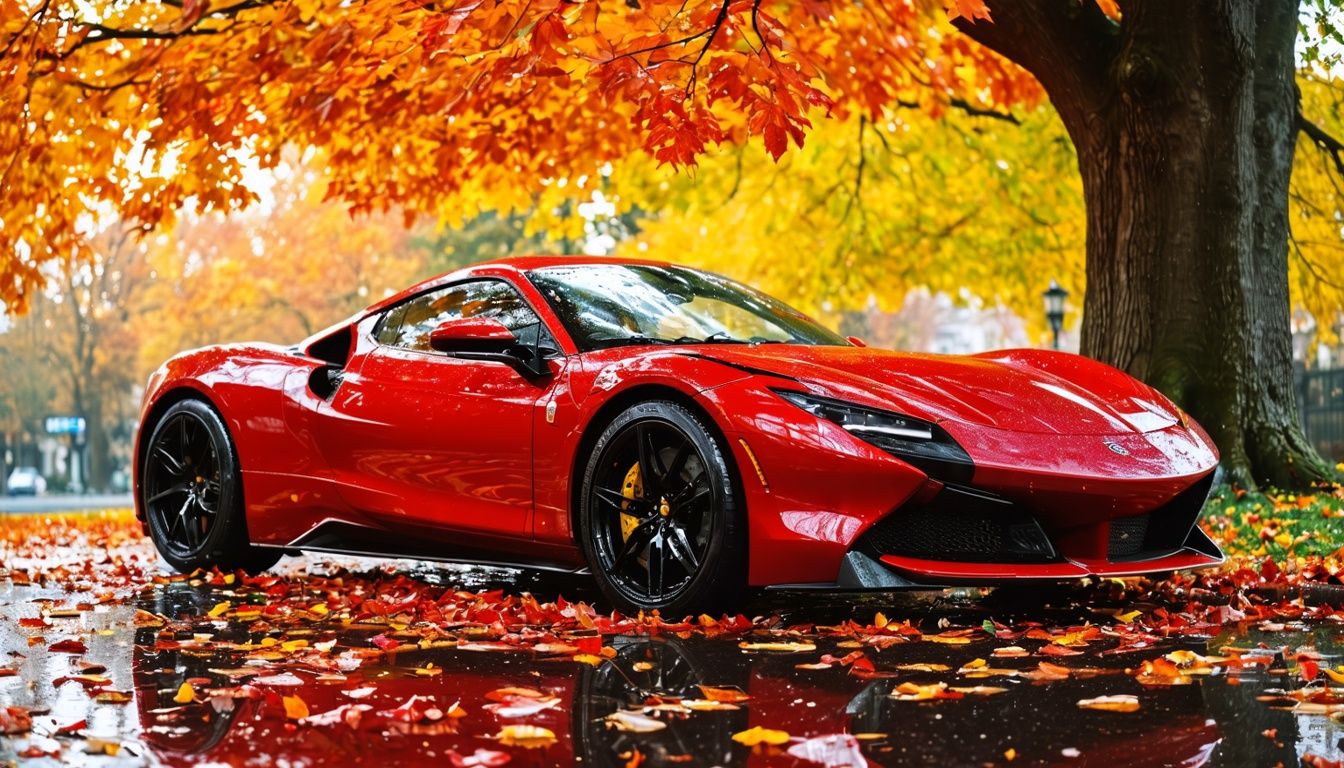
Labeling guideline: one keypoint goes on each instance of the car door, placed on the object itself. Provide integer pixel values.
(423, 438)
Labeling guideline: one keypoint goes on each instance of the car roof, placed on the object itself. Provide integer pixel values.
(512, 266)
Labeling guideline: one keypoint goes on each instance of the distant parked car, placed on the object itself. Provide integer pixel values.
(26, 481)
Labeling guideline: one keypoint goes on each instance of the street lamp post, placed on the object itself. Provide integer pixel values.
(1054, 309)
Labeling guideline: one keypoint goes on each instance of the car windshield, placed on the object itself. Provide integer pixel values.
(605, 305)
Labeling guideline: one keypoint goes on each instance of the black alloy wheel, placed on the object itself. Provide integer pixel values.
(191, 493)
(660, 519)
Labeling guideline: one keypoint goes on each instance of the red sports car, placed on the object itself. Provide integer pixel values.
(679, 435)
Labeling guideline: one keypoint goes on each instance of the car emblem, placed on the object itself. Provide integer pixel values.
(1116, 447)
(550, 412)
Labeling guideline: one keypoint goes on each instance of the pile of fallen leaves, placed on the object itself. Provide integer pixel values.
(99, 552)
(1285, 538)
(1277, 524)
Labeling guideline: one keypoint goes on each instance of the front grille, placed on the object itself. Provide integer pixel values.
(961, 525)
(1127, 536)
(1160, 532)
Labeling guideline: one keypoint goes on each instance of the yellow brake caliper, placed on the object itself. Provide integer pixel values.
(633, 489)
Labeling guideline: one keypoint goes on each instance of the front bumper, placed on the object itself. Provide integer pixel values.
(952, 536)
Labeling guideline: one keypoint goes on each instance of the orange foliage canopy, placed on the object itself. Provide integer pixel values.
(135, 109)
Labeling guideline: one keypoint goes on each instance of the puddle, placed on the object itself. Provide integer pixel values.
(443, 706)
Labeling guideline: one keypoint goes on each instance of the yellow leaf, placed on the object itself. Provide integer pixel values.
(786, 647)
(1123, 702)
(185, 694)
(1338, 677)
(1125, 618)
(589, 659)
(219, 610)
(526, 736)
(880, 620)
(758, 735)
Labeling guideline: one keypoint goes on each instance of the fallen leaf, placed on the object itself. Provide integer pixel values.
(526, 736)
(787, 647)
(481, 758)
(1122, 702)
(729, 695)
(705, 705)
(67, 646)
(917, 692)
(633, 722)
(113, 697)
(185, 694)
(755, 736)
(832, 751)
(295, 708)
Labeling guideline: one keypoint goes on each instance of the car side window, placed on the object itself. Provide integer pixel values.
(408, 325)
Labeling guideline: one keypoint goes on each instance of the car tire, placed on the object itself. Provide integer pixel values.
(192, 495)
(677, 544)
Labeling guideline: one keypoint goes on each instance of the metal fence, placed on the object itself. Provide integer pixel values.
(1320, 398)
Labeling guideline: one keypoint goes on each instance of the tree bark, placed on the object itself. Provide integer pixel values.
(1184, 117)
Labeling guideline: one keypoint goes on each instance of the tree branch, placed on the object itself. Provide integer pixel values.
(970, 109)
(1323, 141)
(1068, 46)
(99, 33)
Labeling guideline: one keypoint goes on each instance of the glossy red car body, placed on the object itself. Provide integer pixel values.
(438, 457)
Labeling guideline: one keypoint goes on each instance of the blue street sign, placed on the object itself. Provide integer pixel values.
(65, 425)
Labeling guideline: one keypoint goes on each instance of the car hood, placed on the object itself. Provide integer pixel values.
(1023, 390)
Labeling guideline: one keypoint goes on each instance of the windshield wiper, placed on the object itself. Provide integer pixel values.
(718, 337)
(638, 338)
(721, 337)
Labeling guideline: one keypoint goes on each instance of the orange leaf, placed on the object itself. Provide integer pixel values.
(295, 708)
(730, 695)
(968, 9)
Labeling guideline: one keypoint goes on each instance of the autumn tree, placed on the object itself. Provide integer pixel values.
(1183, 116)
(989, 204)
(277, 272)
(75, 353)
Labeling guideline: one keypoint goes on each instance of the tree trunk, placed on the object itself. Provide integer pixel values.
(97, 445)
(1184, 117)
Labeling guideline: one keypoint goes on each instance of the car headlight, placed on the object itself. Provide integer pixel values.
(920, 443)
